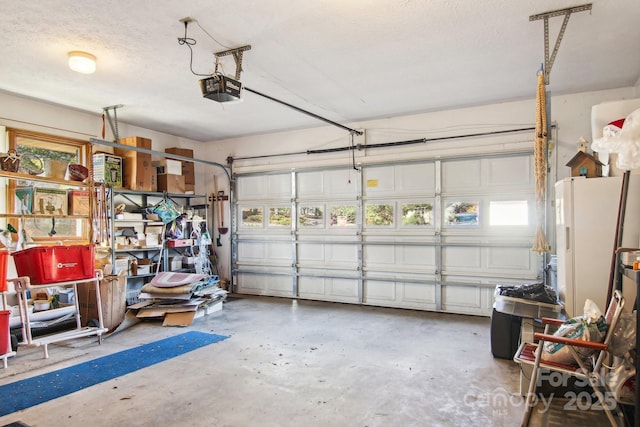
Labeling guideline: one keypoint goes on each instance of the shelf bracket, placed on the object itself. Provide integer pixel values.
(548, 60)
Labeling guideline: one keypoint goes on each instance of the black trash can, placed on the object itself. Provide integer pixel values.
(505, 334)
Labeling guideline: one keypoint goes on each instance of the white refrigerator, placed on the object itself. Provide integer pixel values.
(586, 220)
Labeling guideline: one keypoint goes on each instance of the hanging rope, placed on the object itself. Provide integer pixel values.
(540, 244)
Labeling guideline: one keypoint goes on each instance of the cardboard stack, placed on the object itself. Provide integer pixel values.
(188, 168)
(169, 176)
(192, 296)
(136, 166)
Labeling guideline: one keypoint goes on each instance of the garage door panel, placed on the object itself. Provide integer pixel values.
(508, 171)
(462, 299)
(419, 293)
(345, 288)
(399, 179)
(461, 175)
(251, 251)
(328, 289)
(380, 291)
(327, 253)
(467, 299)
(402, 257)
(462, 258)
(416, 178)
(264, 187)
(400, 294)
(310, 287)
(263, 252)
(379, 180)
(271, 285)
(418, 256)
(379, 255)
(326, 184)
(311, 183)
(509, 259)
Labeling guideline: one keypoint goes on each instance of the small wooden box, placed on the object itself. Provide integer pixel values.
(79, 202)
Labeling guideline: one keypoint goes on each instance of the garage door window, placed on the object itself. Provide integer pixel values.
(343, 216)
(379, 215)
(252, 217)
(510, 212)
(417, 214)
(311, 216)
(280, 217)
(462, 214)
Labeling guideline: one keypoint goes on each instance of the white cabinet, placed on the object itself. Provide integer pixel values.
(586, 220)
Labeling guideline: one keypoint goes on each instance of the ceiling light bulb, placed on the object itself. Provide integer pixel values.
(82, 62)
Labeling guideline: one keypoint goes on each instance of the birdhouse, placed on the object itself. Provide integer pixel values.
(584, 164)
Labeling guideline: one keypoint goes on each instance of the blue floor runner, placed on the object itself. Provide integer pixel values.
(33, 391)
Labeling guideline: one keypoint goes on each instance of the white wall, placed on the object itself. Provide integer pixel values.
(571, 113)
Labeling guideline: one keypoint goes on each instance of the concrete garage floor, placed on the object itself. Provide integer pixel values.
(293, 363)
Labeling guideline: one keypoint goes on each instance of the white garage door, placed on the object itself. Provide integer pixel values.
(434, 235)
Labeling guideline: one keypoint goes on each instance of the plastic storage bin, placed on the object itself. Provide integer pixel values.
(51, 264)
(526, 308)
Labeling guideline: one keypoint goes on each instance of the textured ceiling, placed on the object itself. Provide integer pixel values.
(344, 60)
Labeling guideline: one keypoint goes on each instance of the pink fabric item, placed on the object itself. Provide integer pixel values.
(167, 279)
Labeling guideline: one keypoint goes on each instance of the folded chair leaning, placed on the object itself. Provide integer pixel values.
(594, 369)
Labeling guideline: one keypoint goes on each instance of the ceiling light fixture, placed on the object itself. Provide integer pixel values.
(82, 62)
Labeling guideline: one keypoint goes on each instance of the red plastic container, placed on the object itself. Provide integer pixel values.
(4, 256)
(5, 344)
(51, 264)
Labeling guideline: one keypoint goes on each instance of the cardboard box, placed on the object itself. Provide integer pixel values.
(112, 297)
(152, 239)
(50, 201)
(136, 166)
(79, 202)
(173, 167)
(188, 168)
(171, 183)
(107, 169)
(122, 264)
